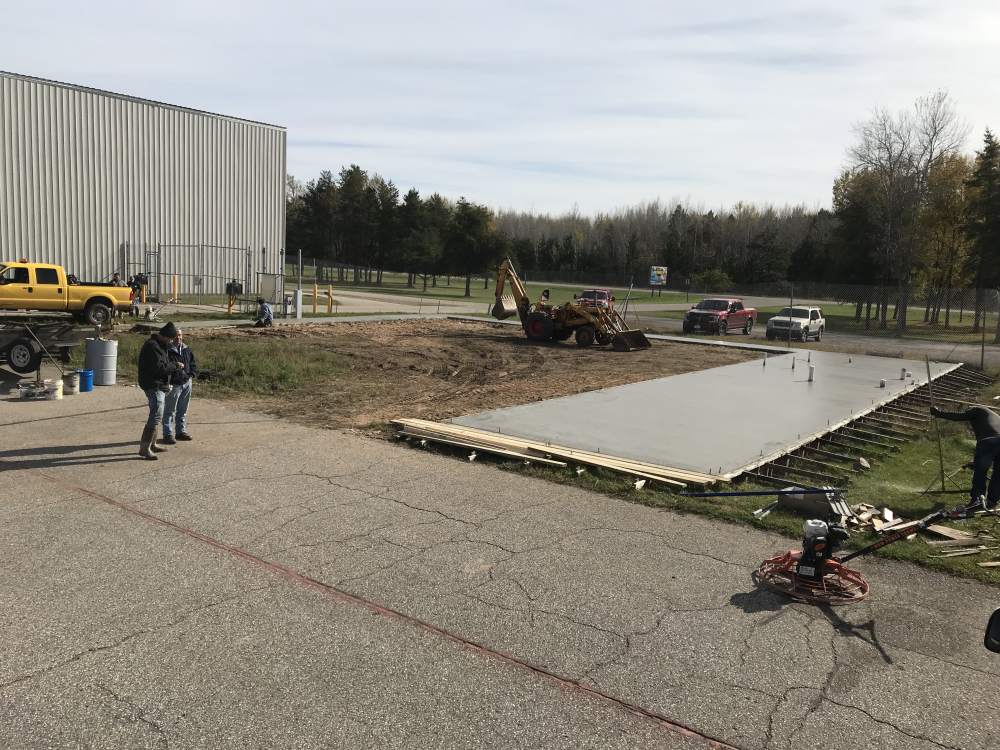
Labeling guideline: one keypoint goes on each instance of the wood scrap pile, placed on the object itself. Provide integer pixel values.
(869, 517)
(959, 543)
(533, 451)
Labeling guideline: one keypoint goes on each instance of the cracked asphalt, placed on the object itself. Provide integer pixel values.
(273, 585)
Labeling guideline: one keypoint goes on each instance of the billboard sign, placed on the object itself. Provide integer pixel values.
(657, 275)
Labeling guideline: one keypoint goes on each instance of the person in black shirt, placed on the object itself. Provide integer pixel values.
(155, 369)
(986, 426)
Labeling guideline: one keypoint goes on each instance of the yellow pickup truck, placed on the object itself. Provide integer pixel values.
(47, 287)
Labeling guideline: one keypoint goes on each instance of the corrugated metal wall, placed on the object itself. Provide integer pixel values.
(82, 171)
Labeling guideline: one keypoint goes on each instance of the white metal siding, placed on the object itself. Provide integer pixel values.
(82, 171)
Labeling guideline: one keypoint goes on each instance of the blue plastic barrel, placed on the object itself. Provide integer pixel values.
(86, 380)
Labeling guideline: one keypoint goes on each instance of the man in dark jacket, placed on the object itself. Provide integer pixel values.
(176, 404)
(154, 379)
(986, 426)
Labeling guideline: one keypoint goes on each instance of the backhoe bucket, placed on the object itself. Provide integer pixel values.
(627, 340)
(504, 307)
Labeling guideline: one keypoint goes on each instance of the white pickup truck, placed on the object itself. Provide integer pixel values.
(799, 323)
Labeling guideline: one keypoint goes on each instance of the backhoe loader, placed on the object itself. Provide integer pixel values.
(589, 323)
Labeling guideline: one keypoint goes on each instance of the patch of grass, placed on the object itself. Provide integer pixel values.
(241, 367)
(478, 294)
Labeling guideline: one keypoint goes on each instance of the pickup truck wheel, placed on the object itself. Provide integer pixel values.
(748, 328)
(819, 334)
(22, 357)
(686, 328)
(97, 313)
(723, 328)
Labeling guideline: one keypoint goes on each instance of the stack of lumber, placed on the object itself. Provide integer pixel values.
(545, 453)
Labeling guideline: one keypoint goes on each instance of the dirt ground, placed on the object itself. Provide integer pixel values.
(443, 369)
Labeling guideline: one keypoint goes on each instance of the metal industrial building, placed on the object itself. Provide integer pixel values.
(102, 182)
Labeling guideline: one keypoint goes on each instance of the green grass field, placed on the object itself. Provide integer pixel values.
(396, 284)
(242, 367)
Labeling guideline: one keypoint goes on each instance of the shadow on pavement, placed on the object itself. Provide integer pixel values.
(66, 455)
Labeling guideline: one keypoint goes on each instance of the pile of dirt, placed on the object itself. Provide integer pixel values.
(440, 369)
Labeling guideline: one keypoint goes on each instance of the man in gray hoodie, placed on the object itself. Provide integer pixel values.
(986, 426)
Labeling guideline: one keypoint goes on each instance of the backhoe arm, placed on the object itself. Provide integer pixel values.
(507, 275)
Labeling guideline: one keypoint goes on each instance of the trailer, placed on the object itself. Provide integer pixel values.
(23, 346)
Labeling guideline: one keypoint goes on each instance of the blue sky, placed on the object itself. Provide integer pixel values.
(542, 105)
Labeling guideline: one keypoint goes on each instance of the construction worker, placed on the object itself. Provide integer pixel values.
(265, 317)
(116, 280)
(176, 403)
(986, 425)
(155, 369)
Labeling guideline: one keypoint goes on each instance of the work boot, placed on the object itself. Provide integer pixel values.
(169, 440)
(184, 436)
(155, 446)
(145, 444)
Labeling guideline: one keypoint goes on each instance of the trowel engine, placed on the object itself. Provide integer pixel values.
(819, 541)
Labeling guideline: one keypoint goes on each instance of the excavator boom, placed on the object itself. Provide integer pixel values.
(515, 303)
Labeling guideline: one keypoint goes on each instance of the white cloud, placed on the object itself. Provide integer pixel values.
(542, 105)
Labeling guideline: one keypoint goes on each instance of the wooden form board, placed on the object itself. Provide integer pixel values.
(470, 437)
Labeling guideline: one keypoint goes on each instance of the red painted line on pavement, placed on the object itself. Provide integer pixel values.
(344, 597)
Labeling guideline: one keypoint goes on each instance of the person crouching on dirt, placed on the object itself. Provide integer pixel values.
(175, 405)
(265, 317)
(154, 379)
(986, 426)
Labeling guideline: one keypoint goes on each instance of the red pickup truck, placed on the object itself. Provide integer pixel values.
(720, 315)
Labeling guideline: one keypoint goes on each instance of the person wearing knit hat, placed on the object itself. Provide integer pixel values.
(155, 369)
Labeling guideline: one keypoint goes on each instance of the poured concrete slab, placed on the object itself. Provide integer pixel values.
(724, 420)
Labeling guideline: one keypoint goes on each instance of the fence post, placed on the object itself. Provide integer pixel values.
(315, 296)
(329, 299)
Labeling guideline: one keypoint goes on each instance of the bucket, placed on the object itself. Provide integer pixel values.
(86, 380)
(53, 389)
(71, 383)
(102, 359)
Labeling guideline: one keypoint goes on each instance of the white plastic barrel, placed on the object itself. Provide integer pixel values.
(71, 383)
(54, 389)
(102, 357)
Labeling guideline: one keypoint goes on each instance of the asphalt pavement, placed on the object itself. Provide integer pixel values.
(272, 585)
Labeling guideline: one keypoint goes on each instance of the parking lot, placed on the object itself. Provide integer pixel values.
(275, 585)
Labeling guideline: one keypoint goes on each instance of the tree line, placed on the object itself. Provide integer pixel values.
(911, 215)
(359, 221)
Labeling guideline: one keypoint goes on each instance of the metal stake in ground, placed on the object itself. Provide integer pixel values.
(937, 426)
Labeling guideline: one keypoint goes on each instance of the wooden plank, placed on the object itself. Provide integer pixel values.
(487, 449)
(572, 454)
(958, 542)
(990, 564)
(949, 532)
(960, 553)
(481, 438)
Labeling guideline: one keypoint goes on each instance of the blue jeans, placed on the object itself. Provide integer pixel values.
(155, 398)
(175, 409)
(987, 454)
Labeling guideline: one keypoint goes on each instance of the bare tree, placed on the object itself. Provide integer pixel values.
(900, 151)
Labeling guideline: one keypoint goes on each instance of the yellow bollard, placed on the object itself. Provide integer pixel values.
(173, 288)
(142, 294)
(232, 300)
(315, 296)
(329, 299)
